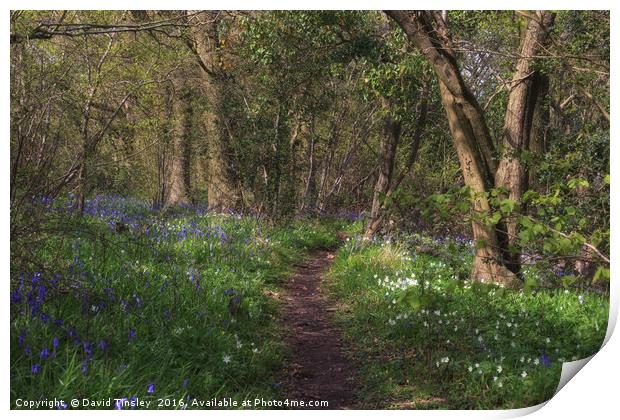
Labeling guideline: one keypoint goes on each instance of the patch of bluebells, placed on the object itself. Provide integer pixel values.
(30, 299)
(37, 298)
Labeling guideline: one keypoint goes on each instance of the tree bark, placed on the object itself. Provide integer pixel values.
(496, 256)
(180, 171)
(470, 135)
(378, 214)
(488, 258)
(309, 198)
(387, 155)
(540, 127)
(511, 173)
(221, 188)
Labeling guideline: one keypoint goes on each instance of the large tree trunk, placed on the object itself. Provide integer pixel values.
(496, 253)
(470, 135)
(221, 190)
(488, 258)
(511, 173)
(180, 171)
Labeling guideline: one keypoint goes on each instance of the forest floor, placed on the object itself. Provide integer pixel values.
(193, 306)
(318, 368)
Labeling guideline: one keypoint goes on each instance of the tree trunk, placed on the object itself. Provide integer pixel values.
(221, 188)
(327, 163)
(487, 265)
(310, 190)
(511, 173)
(387, 156)
(496, 256)
(180, 171)
(470, 135)
(540, 128)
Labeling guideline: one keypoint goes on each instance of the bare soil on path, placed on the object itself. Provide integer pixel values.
(318, 368)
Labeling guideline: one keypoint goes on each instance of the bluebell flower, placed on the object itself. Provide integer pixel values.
(16, 297)
(45, 353)
(56, 280)
(151, 389)
(85, 367)
(61, 405)
(103, 345)
(229, 292)
(120, 403)
(36, 368)
(132, 334)
(36, 277)
(42, 292)
(88, 349)
(185, 382)
(544, 359)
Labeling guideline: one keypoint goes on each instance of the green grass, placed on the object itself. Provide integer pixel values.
(423, 339)
(150, 305)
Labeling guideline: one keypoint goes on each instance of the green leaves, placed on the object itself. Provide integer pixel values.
(416, 299)
(530, 284)
(602, 273)
(507, 206)
(578, 182)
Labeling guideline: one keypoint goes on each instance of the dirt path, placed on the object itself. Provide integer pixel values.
(318, 369)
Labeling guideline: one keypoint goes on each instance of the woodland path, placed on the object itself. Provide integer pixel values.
(318, 368)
